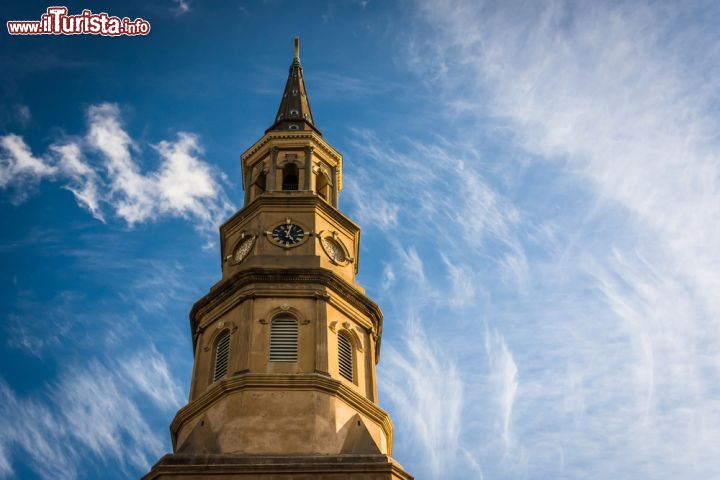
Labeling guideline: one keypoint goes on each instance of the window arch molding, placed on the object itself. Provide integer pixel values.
(258, 170)
(219, 328)
(323, 183)
(291, 160)
(220, 359)
(349, 330)
(286, 310)
(347, 356)
(324, 171)
(258, 183)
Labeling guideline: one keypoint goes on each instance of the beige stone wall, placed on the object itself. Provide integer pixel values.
(249, 324)
(259, 421)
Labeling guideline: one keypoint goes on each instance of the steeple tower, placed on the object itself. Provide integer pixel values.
(286, 343)
(294, 112)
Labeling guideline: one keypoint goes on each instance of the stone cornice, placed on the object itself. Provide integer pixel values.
(294, 382)
(280, 199)
(294, 135)
(205, 465)
(273, 291)
(300, 134)
(224, 290)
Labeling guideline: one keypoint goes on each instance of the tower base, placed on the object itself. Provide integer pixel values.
(277, 467)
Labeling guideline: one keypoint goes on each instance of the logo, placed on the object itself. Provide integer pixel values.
(56, 21)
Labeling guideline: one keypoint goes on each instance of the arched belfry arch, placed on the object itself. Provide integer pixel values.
(323, 183)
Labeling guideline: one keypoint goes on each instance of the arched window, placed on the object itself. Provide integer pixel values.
(260, 183)
(345, 356)
(222, 352)
(322, 186)
(290, 177)
(283, 339)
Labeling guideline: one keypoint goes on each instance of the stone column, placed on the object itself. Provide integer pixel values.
(248, 181)
(334, 187)
(308, 169)
(372, 374)
(193, 381)
(321, 327)
(273, 170)
(246, 323)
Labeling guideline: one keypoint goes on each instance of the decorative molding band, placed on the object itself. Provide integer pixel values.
(299, 199)
(224, 291)
(300, 135)
(211, 315)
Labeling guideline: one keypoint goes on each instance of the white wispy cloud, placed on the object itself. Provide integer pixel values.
(98, 415)
(434, 253)
(610, 247)
(184, 185)
(30, 426)
(504, 376)
(95, 407)
(20, 168)
(416, 378)
(445, 216)
(150, 374)
(84, 182)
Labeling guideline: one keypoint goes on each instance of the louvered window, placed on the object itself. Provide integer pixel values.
(283, 340)
(345, 356)
(222, 352)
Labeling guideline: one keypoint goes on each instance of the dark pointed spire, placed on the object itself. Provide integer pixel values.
(294, 112)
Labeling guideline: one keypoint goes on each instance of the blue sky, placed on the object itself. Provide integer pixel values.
(538, 185)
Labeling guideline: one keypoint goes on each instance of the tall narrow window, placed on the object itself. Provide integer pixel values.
(345, 356)
(283, 340)
(222, 352)
(290, 177)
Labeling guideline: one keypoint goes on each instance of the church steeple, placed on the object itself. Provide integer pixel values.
(294, 112)
(286, 344)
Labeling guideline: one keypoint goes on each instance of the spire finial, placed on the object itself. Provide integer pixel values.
(294, 112)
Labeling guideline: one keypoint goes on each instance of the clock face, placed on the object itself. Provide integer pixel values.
(288, 234)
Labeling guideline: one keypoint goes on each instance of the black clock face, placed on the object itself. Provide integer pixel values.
(287, 234)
